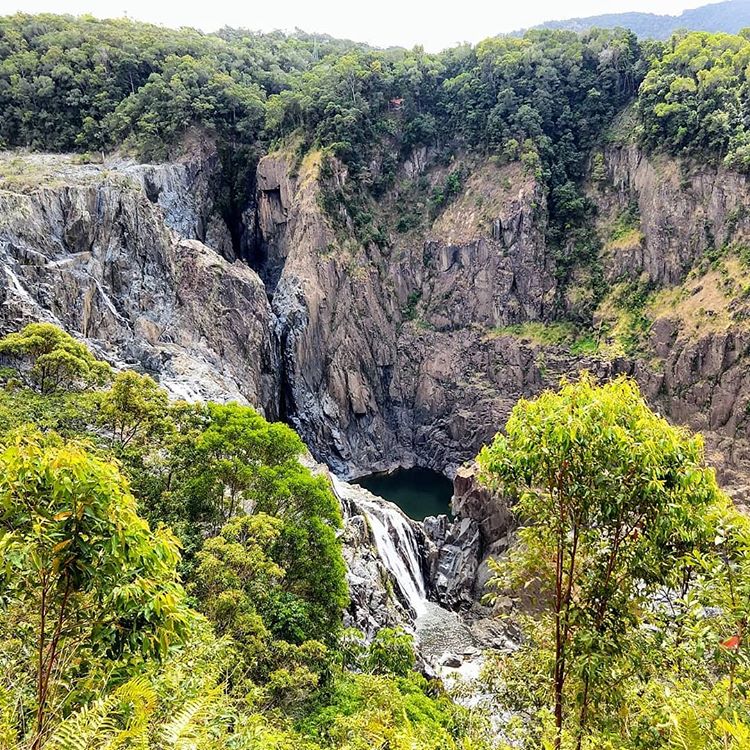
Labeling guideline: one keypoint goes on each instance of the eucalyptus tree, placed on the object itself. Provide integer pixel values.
(83, 576)
(614, 502)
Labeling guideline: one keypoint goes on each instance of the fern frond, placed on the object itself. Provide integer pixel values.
(186, 729)
(687, 733)
(119, 720)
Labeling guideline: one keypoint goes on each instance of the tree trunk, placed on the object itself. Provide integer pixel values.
(559, 647)
(46, 668)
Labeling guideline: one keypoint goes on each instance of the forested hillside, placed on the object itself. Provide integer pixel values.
(96, 85)
(172, 577)
(546, 99)
(729, 17)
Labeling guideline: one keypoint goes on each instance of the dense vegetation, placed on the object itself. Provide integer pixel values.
(156, 589)
(156, 586)
(632, 572)
(546, 99)
(695, 99)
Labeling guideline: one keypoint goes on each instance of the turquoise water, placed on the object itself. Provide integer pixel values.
(418, 492)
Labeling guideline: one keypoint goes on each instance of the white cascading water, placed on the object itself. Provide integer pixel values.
(396, 544)
(437, 631)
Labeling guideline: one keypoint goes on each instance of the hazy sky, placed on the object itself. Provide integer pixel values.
(435, 24)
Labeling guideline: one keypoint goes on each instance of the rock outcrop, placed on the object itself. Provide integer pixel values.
(685, 211)
(456, 561)
(401, 355)
(482, 528)
(687, 214)
(389, 356)
(89, 249)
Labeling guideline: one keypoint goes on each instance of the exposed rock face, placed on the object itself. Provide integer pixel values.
(702, 380)
(386, 356)
(705, 384)
(684, 212)
(91, 252)
(458, 552)
(389, 356)
(379, 357)
(385, 556)
(187, 192)
(491, 512)
(482, 528)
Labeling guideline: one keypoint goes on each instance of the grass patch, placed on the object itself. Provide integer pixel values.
(713, 300)
(626, 240)
(410, 311)
(626, 229)
(625, 320)
(558, 333)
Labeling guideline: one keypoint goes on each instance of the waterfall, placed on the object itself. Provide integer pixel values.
(395, 541)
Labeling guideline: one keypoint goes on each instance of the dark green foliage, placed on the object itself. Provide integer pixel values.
(69, 83)
(392, 652)
(451, 188)
(629, 220)
(410, 313)
(694, 100)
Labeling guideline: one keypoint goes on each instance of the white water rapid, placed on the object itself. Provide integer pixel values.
(396, 544)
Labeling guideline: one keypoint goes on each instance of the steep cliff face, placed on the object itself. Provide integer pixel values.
(386, 356)
(705, 384)
(401, 355)
(693, 225)
(685, 210)
(389, 356)
(97, 251)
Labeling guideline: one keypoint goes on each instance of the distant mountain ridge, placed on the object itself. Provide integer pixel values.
(731, 16)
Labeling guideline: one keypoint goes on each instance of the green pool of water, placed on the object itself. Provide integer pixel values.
(418, 492)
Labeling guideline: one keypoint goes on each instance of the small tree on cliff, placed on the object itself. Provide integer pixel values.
(613, 500)
(48, 359)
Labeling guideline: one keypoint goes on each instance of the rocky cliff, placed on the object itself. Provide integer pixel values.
(410, 351)
(403, 354)
(689, 250)
(115, 256)
(382, 354)
(391, 356)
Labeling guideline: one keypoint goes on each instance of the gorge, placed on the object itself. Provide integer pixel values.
(118, 254)
(390, 253)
